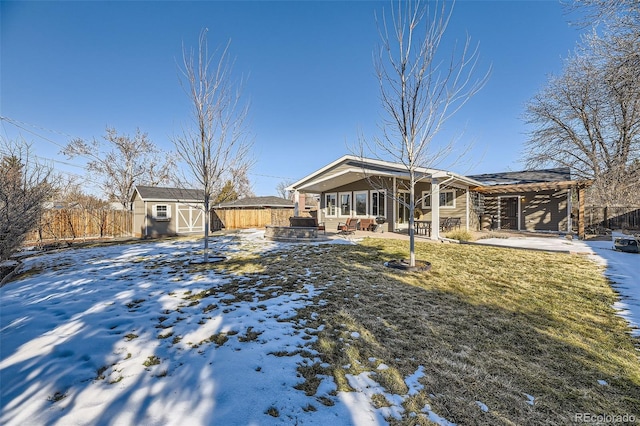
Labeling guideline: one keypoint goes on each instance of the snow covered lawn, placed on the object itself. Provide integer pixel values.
(296, 334)
(135, 334)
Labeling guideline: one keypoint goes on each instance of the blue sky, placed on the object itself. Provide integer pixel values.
(69, 69)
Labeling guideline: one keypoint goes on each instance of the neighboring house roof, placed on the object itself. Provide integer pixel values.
(350, 168)
(155, 193)
(268, 201)
(562, 174)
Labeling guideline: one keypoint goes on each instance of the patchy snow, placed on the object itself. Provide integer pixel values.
(482, 406)
(530, 399)
(539, 243)
(113, 335)
(127, 334)
(623, 269)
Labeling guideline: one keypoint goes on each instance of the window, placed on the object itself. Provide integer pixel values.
(161, 212)
(345, 204)
(330, 204)
(361, 201)
(377, 203)
(447, 199)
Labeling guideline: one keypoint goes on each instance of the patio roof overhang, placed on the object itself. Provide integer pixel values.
(349, 169)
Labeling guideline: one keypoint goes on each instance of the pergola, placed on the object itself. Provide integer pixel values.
(579, 185)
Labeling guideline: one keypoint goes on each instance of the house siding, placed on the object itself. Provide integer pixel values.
(332, 222)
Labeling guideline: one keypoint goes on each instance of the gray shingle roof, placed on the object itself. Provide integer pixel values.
(268, 201)
(172, 194)
(562, 174)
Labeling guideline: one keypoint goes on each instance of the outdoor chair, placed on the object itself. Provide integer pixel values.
(423, 227)
(367, 224)
(349, 227)
(454, 223)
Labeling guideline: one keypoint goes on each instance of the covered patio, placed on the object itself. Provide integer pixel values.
(366, 189)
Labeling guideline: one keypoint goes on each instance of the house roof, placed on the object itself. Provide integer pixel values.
(268, 201)
(155, 193)
(562, 174)
(349, 168)
(528, 180)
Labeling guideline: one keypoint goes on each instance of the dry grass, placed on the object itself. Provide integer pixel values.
(487, 325)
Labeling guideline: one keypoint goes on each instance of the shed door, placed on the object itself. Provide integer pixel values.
(190, 219)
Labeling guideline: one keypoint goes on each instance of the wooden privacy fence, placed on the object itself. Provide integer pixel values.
(612, 217)
(249, 218)
(72, 224)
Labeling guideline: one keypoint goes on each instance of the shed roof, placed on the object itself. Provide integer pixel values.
(156, 193)
(562, 174)
(268, 201)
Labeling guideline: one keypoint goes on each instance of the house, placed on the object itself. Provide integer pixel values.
(531, 200)
(252, 212)
(167, 211)
(363, 188)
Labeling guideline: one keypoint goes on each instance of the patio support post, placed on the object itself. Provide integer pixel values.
(581, 212)
(569, 208)
(296, 203)
(394, 210)
(467, 209)
(435, 209)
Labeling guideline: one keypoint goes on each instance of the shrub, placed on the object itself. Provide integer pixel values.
(460, 235)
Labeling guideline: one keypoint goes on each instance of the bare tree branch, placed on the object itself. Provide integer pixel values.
(419, 91)
(588, 118)
(24, 187)
(122, 163)
(215, 147)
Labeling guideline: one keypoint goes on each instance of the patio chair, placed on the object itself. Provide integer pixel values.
(367, 224)
(454, 223)
(349, 227)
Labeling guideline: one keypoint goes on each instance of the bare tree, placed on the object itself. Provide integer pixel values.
(24, 187)
(420, 91)
(588, 118)
(621, 16)
(281, 188)
(215, 147)
(122, 162)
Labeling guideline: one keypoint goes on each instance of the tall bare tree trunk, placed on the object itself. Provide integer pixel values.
(419, 93)
(218, 146)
